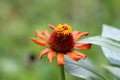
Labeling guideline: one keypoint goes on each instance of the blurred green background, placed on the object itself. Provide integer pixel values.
(20, 18)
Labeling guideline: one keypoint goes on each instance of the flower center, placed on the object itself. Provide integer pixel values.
(63, 29)
(61, 40)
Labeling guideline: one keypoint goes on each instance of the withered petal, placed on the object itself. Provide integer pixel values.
(60, 59)
(82, 46)
(41, 43)
(51, 55)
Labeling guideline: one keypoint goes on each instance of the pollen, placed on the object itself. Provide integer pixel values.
(63, 29)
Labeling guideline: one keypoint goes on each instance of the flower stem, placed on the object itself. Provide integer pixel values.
(62, 72)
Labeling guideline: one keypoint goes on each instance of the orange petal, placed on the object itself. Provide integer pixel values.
(82, 46)
(37, 33)
(60, 59)
(74, 56)
(80, 54)
(51, 55)
(43, 52)
(41, 43)
(52, 27)
(77, 35)
(46, 32)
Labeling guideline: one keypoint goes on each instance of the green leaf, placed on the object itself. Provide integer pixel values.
(84, 69)
(110, 32)
(110, 47)
(112, 54)
(103, 42)
(110, 43)
(114, 70)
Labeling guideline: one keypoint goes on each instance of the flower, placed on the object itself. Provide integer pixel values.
(61, 42)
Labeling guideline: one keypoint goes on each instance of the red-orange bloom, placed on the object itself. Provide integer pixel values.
(61, 41)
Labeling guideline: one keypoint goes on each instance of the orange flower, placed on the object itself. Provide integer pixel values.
(61, 42)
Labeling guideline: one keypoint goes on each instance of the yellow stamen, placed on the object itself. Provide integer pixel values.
(63, 29)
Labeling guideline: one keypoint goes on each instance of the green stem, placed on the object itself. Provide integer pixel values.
(62, 72)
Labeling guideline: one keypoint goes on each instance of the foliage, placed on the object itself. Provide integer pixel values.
(110, 44)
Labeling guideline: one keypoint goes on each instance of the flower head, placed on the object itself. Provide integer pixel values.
(61, 42)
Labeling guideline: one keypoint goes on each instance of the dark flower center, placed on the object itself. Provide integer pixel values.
(61, 40)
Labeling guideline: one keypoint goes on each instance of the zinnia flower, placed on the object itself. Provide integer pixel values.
(61, 42)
